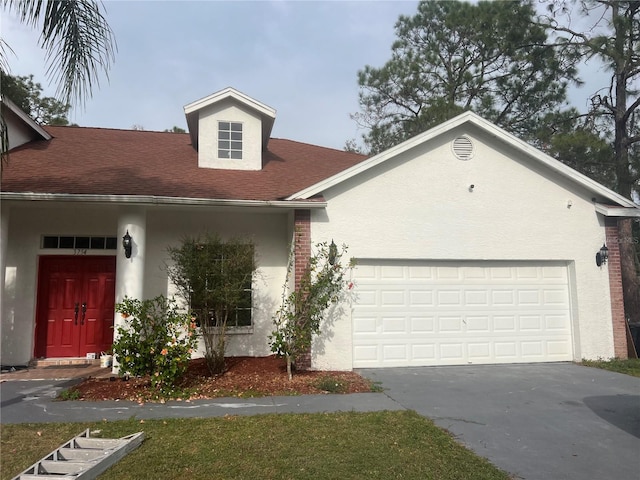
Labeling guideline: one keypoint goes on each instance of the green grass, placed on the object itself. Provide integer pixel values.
(630, 366)
(293, 446)
(330, 384)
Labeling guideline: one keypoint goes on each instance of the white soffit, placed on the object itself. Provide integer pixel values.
(491, 129)
(615, 211)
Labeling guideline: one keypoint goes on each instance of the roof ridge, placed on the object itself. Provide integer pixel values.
(320, 146)
(112, 129)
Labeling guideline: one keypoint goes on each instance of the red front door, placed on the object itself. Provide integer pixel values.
(76, 297)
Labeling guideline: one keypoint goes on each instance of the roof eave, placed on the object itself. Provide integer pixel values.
(160, 200)
(25, 118)
(467, 117)
(616, 211)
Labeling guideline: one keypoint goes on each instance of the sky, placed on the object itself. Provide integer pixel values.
(299, 57)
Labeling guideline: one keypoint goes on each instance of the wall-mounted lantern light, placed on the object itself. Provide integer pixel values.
(333, 253)
(126, 244)
(602, 256)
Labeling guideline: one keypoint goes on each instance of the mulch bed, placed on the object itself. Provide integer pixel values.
(244, 377)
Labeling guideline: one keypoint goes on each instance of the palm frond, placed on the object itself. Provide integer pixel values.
(78, 41)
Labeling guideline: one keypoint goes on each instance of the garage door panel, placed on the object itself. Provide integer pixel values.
(451, 315)
(423, 298)
(394, 325)
(557, 323)
(450, 324)
(554, 274)
(476, 297)
(503, 297)
(392, 298)
(452, 352)
(558, 348)
(395, 353)
(448, 273)
(364, 325)
(479, 352)
(423, 351)
(449, 297)
(422, 325)
(420, 273)
(392, 273)
(556, 296)
(478, 324)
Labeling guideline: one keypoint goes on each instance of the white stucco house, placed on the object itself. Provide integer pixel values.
(472, 246)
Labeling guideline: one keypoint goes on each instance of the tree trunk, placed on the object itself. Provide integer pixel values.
(289, 374)
(623, 64)
(630, 278)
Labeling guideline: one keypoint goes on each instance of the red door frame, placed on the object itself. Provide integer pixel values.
(66, 285)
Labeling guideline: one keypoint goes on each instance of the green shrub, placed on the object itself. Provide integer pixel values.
(70, 394)
(157, 341)
(330, 384)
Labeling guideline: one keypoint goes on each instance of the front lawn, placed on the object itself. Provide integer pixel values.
(293, 446)
(630, 366)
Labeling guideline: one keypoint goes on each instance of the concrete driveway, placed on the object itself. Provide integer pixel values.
(546, 421)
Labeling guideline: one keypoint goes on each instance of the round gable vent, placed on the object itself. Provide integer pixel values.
(463, 148)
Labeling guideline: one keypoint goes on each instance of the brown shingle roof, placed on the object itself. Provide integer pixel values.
(81, 160)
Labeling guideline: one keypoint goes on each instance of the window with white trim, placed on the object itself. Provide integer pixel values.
(230, 140)
(227, 265)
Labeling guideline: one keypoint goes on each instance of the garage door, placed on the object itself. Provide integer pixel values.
(416, 313)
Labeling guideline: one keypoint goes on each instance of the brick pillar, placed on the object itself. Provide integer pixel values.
(302, 253)
(618, 318)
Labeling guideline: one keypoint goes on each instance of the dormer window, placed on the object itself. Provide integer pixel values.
(230, 140)
(229, 130)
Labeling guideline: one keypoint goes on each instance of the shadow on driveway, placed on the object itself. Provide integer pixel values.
(622, 411)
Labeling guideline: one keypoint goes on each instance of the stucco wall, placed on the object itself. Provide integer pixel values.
(268, 231)
(164, 226)
(27, 224)
(419, 206)
(18, 132)
(229, 111)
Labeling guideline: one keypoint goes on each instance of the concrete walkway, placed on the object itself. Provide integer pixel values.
(28, 395)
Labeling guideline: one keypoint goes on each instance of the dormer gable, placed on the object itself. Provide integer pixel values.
(21, 128)
(229, 130)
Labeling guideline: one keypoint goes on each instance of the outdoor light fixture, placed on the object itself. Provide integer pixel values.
(602, 256)
(126, 244)
(333, 252)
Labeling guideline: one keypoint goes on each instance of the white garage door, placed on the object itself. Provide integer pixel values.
(416, 313)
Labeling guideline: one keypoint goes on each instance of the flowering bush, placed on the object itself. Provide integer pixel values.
(158, 340)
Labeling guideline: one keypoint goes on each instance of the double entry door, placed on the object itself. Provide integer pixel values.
(76, 296)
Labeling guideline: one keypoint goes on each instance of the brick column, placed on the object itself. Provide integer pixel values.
(302, 253)
(618, 318)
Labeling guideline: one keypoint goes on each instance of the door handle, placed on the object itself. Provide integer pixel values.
(75, 321)
(84, 310)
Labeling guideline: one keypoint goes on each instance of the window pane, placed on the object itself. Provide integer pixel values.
(224, 135)
(97, 243)
(236, 145)
(223, 126)
(236, 154)
(223, 153)
(244, 318)
(66, 242)
(50, 242)
(82, 242)
(223, 144)
(236, 127)
(236, 136)
(112, 243)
